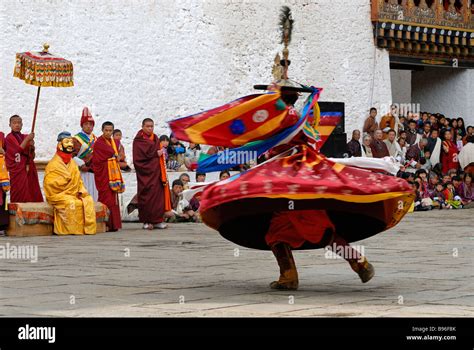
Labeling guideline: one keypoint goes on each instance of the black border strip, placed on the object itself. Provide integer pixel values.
(359, 332)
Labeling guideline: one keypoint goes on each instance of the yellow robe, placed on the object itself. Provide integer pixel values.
(72, 215)
(387, 120)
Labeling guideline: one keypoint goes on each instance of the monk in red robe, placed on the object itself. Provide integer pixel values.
(378, 147)
(449, 153)
(107, 175)
(19, 156)
(291, 229)
(4, 186)
(153, 189)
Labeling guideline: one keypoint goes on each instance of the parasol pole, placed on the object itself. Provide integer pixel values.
(44, 52)
(36, 109)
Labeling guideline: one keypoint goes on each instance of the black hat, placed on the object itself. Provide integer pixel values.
(63, 135)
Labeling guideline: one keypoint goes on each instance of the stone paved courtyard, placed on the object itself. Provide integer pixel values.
(424, 267)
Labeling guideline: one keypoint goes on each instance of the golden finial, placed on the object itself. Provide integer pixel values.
(45, 47)
(277, 70)
(286, 29)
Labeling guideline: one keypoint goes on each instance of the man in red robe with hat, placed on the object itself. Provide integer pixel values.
(153, 195)
(107, 175)
(19, 157)
(83, 146)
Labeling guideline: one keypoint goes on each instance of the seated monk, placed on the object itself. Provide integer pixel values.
(74, 211)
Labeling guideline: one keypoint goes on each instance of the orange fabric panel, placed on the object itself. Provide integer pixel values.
(297, 227)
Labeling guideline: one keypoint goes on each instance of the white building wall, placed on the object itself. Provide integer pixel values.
(445, 90)
(164, 58)
(401, 86)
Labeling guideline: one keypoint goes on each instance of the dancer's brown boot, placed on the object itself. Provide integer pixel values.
(363, 268)
(288, 275)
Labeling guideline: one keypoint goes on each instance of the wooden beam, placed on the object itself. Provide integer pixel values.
(375, 4)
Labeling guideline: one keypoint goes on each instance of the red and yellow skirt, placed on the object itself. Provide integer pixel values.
(358, 202)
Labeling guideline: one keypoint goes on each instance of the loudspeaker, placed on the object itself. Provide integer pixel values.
(335, 146)
(335, 107)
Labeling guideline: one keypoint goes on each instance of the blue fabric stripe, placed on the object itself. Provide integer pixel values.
(221, 160)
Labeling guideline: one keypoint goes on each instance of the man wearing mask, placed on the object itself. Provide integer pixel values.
(74, 211)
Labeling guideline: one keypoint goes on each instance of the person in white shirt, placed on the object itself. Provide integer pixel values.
(403, 150)
(434, 146)
(466, 156)
(393, 147)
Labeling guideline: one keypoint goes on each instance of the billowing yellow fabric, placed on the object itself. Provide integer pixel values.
(62, 183)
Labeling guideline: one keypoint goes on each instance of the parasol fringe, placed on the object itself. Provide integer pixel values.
(43, 72)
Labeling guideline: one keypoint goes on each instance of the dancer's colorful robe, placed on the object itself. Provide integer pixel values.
(103, 151)
(297, 227)
(152, 182)
(73, 214)
(24, 183)
(4, 186)
(310, 194)
(298, 195)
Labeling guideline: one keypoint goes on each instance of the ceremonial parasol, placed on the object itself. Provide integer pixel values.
(43, 69)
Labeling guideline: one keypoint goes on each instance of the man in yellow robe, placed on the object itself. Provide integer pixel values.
(74, 211)
(389, 122)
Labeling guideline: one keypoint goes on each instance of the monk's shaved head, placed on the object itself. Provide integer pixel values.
(14, 116)
(16, 123)
(147, 120)
(107, 130)
(109, 124)
(148, 126)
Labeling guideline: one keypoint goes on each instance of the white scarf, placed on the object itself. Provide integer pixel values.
(466, 156)
(434, 159)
